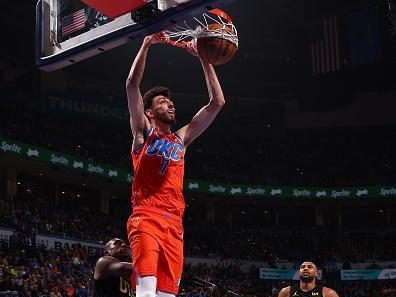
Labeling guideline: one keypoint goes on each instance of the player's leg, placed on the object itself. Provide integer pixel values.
(170, 262)
(146, 286)
(145, 250)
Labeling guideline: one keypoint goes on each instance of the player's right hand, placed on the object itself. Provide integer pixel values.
(151, 39)
(160, 37)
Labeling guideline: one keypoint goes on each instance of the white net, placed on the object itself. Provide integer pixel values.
(225, 29)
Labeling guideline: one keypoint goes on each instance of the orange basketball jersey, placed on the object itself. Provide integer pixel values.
(158, 173)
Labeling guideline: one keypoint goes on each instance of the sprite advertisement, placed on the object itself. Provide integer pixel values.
(50, 157)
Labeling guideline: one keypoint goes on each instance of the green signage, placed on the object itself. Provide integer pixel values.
(258, 191)
(63, 160)
(290, 192)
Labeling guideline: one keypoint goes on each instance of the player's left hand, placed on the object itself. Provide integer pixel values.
(150, 39)
(192, 47)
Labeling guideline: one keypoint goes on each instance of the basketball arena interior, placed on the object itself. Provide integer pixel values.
(299, 165)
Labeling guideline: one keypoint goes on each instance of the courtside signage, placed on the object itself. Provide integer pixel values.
(282, 274)
(368, 274)
(57, 244)
(5, 234)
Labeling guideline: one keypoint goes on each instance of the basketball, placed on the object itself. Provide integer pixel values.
(214, 45)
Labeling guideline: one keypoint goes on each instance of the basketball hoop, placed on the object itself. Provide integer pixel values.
(181, 36)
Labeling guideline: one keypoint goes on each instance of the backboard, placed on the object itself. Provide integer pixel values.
(69, 31)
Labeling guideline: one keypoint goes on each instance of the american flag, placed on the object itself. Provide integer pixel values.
(73, 22)
(325, 50)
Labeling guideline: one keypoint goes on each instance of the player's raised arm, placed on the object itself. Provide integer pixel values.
(138, 121)
(208, 113)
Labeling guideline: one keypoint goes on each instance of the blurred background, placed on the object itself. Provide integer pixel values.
(310, 114)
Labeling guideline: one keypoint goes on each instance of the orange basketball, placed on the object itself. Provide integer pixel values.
(215, 47)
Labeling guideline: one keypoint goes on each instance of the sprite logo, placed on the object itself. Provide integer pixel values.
(113, 173)
(388, 192)
(216, 189)
(255, 191)
(276, 192)
(301, 193)
(32, 153)
(5, 147)
(193, 186)
(342, 193)
(78, 164)
(95, 169)
(361, 192)
(59, 160)
(234, 191)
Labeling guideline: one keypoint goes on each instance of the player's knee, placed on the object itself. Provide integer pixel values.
(146, 286)
(145, 292)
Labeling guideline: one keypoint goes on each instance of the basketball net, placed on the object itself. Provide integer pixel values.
(183, 35)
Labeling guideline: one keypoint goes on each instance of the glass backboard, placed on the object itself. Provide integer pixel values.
(69, 31)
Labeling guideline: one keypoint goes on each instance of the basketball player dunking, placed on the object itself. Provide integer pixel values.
(155, 228)
(307, 286)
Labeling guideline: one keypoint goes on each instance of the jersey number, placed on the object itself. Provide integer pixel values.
(165, 163)
(125, 288)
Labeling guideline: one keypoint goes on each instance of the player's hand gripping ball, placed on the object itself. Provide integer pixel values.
(215, 44)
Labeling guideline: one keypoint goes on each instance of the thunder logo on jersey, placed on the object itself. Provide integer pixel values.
(165, 148)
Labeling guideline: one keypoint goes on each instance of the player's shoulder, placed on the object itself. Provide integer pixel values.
(284, 292)
(328, 292)
(102, 265)
(106, 260)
